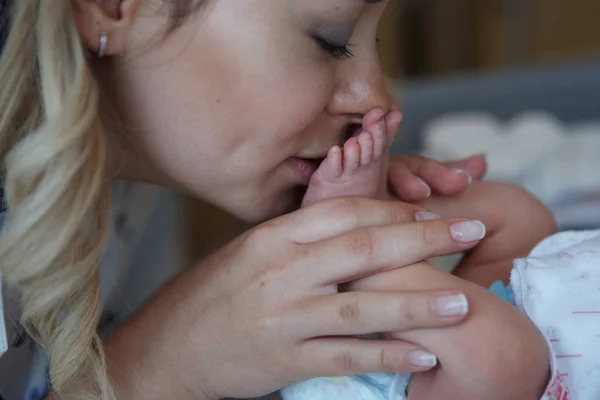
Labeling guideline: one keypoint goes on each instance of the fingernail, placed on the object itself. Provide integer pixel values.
(452, 305)
(421, 358)
(462, 171)
(426, 187)
(425, 216)
(467, 231)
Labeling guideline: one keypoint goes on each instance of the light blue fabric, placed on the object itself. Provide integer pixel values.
(503, 291)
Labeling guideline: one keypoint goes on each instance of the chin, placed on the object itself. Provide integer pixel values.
(263, 209)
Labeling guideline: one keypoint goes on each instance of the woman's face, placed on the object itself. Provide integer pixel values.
(238, 104)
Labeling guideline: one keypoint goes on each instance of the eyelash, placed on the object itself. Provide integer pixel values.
(334, 50)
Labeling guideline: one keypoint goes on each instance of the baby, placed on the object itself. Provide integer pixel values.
(520, 343)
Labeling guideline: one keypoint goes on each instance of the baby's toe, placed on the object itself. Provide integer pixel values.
(332, 165)
(379, 139)
(365, 141)
(351, 156)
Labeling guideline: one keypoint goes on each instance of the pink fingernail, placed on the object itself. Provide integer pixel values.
(421, 359)
(425, 216)
(467, 231)
(453, 305)
(462, 171)
(426, 187)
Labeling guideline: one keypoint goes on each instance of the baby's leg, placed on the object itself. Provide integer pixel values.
(358, 169)
(496, 354)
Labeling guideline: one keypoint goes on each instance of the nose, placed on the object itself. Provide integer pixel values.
(359, 88)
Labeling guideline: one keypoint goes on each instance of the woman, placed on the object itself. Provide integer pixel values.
(233, 102)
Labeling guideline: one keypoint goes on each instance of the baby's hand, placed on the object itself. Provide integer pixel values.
(414, 178)
(515, 221)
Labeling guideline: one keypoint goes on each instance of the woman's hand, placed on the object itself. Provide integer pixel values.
(515, 220)
(414, 178)
(265, 312)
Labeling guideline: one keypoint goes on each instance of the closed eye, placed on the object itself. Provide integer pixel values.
(342, 52)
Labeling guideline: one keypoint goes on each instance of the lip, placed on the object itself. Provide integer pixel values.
(304, 167)
(305, 163)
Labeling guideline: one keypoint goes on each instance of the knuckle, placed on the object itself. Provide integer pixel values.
(409, 313)
(387, 361)
(346, 208)
(361, 243)
(345, 361)
(403, 212)
(426, 232)
(349, 312)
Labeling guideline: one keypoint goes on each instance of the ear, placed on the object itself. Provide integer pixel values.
(113, 17)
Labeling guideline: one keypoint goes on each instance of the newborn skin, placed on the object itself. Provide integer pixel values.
(359, 169)
(497, 353)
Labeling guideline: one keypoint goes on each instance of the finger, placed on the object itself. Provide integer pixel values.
(476, 166)
(352, 356)
(363, 313)
(330, 218)
(371, 250)
(441, 178)
(406, 185)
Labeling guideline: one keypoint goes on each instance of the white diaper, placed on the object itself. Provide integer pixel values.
(363, 387)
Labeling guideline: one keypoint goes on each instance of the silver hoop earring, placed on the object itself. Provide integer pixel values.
(103, 41)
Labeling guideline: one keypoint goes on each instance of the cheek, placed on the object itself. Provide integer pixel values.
(237, 102)
(296, 99)
(273, 82)
(219, 116)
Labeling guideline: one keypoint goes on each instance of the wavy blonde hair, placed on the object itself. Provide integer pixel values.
(53, 147)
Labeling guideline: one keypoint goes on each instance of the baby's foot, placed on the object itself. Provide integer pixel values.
(356, 169)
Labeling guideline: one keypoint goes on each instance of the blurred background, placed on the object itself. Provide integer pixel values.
(518, 80)
(432, 38)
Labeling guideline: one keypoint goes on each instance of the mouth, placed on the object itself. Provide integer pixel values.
(352, 130)
(305, 167)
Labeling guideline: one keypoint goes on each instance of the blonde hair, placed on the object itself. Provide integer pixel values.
(53, 147)
(57, 191)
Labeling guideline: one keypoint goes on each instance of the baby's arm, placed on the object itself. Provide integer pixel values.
(515, 221)
(496, 354)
